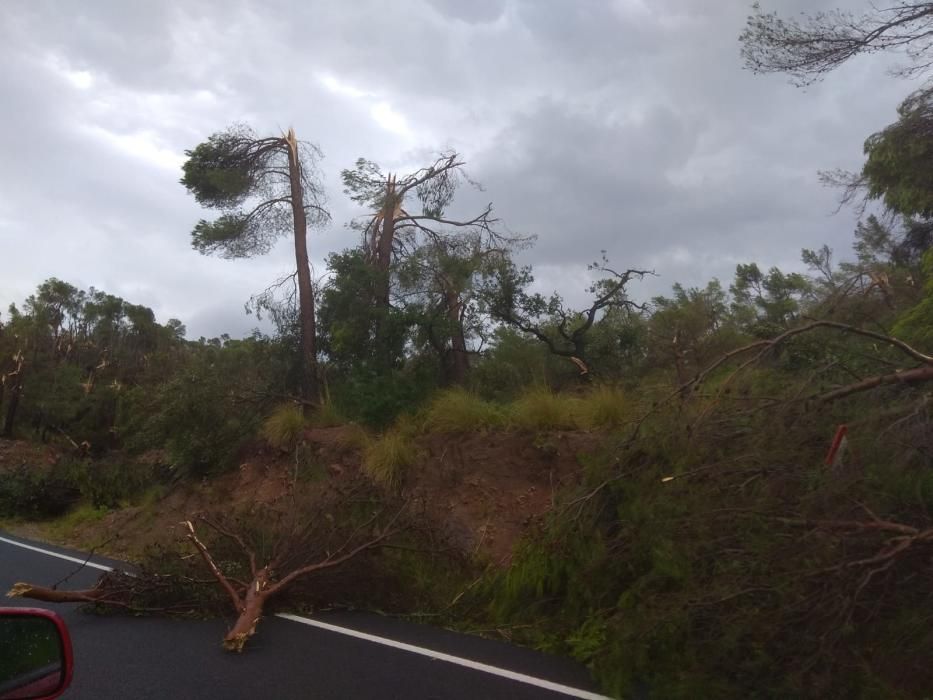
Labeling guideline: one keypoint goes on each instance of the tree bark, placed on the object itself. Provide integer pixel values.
(460, 359)
(12, 405)
(250, 613)
(386, 239)
(51, 595)
(309, 377)
(907, 376)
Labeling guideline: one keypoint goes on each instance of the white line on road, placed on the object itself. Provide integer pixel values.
(385, 641)
(475, 665)
(76, 560)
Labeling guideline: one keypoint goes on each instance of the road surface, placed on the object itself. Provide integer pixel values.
(334, 655)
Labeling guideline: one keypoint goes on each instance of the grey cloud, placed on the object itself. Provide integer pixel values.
(622, 125)
(476, 12)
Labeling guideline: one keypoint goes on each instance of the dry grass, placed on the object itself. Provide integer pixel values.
(386, 458)
(542, 409)
(459, 411)
(602, 408)
(283, 428)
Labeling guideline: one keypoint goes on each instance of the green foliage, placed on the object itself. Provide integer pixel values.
(671, 573)
(459, 411)
(375, 399)
(916, 324)
(207, 411)
(284, 427)
(231, 235)
(39, 491)
(515, 362)
(217, 172)
(31, 492)
(769, 301)
(109, 482)
(897, 167)
(359, 336)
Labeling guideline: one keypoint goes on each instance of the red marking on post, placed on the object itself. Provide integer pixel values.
(837, 441)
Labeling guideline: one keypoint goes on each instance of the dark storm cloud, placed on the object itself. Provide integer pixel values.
(627, 126)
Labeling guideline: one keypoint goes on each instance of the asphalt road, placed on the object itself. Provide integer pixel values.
(355, 655)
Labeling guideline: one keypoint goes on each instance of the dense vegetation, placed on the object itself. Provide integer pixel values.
(719, 543)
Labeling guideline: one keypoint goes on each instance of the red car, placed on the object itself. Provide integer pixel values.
(35, 654)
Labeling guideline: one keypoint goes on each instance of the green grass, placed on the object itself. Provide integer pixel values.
(283, 428)
(541, 409)
(81, 515)
(386, 458)
(604, 407)
(459, 411)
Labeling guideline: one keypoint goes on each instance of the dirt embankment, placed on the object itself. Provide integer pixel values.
(481, 491)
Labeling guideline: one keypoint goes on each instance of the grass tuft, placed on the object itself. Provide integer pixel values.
(459, 411)
(327, 415)
(284, 427)
(386, 458)
(605, 407)
(541, 409)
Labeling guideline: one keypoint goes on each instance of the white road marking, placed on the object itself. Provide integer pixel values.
(440, 656)
(385, 641)
(102, 567)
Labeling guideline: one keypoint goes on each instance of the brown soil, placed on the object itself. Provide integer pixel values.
(16, 453)
(488, 489)
(482, 491)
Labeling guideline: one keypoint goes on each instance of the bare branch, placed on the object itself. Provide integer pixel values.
(218, 574)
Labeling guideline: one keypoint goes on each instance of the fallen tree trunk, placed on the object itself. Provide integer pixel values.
(301, 547)
(51, 595)
(249, 600)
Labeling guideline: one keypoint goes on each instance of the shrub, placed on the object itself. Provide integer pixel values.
(541, 409)
(109, 482)
(283, 428)
(385, 459)
(459, 411)
(31, 492)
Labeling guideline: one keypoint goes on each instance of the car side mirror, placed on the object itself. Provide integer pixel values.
(35, 654)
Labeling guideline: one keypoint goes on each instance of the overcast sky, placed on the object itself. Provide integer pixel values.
(625, 125)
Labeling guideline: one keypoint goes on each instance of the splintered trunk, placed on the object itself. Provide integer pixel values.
(385, 242)
(382, 261)
(251, 609)
(309, 378)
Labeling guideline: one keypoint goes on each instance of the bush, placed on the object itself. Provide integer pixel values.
(30, 492)
(386, 459)
(377, 399)
(198, 416)
(459, 411)
(541, 409)
(284, 427)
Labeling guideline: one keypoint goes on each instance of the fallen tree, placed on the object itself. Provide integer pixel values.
(265, 552)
